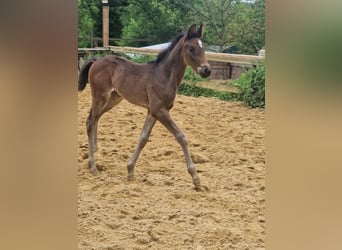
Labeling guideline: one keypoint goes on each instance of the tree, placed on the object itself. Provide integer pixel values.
(90, 20)
(154, 20)
(86, 21)
(231, 22)
(145, 22)
(115, 25)
(248, 29)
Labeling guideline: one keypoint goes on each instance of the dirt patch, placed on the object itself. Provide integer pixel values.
(161, 209)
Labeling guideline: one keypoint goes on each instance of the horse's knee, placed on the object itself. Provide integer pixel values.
(143, 140)
(181, 139)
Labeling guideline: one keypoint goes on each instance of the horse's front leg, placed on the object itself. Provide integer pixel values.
(145, 134)
(164, 117)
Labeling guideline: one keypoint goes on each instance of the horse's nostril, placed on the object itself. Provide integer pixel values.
(207, 71)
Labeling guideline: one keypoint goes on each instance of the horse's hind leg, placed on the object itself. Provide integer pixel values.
(91, 140)
(100, 105)
(113, 101)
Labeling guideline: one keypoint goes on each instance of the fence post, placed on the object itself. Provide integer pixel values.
(105, 20)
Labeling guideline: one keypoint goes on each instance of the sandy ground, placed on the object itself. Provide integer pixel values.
(161, 209)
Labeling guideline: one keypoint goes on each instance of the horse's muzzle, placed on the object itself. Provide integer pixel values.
(204, 71)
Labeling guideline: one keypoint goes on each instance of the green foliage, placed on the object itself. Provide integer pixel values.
(142, 59)
(145, 22)
(191, 90)
(247, 27)
(230, 22)
(252, 87)
(155, 20)
(90, 21)
(190, 75)
(86, 22)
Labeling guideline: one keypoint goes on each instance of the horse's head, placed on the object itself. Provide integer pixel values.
(193, 53)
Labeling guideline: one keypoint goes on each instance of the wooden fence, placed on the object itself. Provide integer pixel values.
(228, 66)
(211, 56)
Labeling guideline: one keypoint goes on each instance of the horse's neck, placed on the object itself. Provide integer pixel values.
(174, 66)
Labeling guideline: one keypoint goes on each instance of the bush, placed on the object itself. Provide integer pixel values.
(190, 75)
(190, 90)
(252, 87)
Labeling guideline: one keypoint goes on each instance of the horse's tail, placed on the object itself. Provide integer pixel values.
(83, 75)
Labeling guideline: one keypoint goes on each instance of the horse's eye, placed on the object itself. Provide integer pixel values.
(191, 49)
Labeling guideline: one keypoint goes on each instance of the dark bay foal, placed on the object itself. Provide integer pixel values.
(152, 85)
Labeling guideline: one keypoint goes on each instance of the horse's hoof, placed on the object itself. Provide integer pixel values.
(94, 171)
(200, 188)
(196, 181)
(130, 178)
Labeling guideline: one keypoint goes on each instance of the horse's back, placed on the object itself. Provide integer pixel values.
(121, 64)
(102, 70)
(127, 78)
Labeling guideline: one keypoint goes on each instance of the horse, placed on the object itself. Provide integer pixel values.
(152, 85)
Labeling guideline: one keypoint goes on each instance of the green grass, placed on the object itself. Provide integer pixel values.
(191, 90)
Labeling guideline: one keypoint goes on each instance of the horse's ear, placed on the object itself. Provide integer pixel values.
(200, 30)
(191, 31)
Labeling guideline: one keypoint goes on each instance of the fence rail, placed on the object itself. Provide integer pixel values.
(211, 56)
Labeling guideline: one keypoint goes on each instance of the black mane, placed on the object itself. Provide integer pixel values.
(162, 55)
